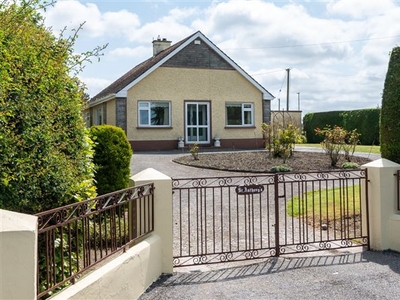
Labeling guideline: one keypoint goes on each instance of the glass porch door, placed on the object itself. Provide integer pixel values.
(197, 122)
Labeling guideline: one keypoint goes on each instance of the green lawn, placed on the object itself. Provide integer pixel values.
(326, 204)
(359, 148)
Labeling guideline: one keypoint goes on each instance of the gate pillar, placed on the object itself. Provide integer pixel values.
(162, 211)
(384, 219)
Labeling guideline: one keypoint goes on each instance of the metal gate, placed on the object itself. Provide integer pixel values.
(223, 219)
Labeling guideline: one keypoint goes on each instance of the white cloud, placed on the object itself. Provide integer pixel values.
(73, 13)
(338, 56)
(95, 84)
(125, 52)
(360, 9)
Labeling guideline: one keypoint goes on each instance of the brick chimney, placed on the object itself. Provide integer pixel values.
(160, 45)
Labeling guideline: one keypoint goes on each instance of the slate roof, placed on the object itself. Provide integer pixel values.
(136, 71)
(125, 80)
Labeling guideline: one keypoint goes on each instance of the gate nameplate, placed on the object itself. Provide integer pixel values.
(249, 189)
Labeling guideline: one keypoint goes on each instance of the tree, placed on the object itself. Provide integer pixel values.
(112, 158)
(45, 151)
(390, 124)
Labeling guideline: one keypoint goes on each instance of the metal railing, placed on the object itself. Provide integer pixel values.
(220, 219)
(74, 238)
(398, 188)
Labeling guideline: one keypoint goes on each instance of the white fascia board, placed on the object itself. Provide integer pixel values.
(102, 99)
(266, 94)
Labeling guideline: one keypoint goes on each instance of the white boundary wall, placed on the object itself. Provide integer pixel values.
(125, 277)
(18, 255)
(384, 218)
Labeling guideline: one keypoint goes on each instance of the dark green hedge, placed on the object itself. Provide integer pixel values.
(390, 119)
(320, 120)
(366, 121)
(111, 158)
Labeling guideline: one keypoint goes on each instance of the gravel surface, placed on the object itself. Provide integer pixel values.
(261, 162)
(349, 275)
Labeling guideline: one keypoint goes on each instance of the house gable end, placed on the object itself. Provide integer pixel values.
(198, 54)
(196, 51)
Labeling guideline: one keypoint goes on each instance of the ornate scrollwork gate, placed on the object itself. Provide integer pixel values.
(221, 219)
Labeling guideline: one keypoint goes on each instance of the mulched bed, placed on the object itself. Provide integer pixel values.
(260, 162)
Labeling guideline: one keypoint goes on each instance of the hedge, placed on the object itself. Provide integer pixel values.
(366, 121)
(390, 124)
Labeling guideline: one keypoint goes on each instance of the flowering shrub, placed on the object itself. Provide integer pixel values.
(337, 139)
(279, 140)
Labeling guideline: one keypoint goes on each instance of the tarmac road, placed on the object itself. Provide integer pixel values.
(364, 275)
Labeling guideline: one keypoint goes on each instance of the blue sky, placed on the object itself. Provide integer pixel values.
(337, 50)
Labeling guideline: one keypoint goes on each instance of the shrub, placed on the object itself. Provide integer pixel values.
(45, 152)
(350, 165)
(390, 125)
(111, 158)
(281, 168)
(195, 151)
(337, 139)
(280, 140)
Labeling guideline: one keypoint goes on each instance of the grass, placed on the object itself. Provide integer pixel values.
(359, 148)
(326, 205)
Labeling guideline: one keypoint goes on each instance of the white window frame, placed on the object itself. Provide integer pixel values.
(149, 116)
(244, 109)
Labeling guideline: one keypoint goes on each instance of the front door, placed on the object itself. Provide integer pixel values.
(197, 121)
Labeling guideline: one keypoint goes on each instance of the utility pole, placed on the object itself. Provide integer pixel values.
(279, 104)
(287, 88)
(298, 101)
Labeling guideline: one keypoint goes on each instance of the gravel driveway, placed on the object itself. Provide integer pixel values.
(345, 275)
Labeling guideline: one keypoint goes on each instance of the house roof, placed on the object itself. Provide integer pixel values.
(120, 87)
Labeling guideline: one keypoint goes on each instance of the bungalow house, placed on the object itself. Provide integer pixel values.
(186, 93)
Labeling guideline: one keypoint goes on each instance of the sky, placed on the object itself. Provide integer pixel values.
(337, 50)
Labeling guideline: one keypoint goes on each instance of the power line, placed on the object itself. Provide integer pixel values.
(317, 44)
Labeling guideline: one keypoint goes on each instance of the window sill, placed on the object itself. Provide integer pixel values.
(240, 127)
(154, 127)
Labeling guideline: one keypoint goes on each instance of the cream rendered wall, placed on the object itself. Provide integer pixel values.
(286, 116)
(18, 255)
(382, 196)
(127, 276)
(180, 84)
(111, 112)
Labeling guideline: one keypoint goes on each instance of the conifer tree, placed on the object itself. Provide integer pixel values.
(390, 121)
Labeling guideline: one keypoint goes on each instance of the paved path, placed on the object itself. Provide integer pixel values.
(335, 275)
